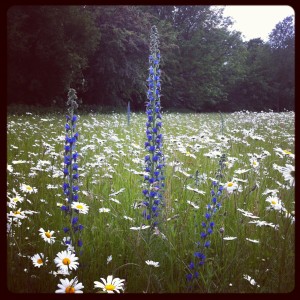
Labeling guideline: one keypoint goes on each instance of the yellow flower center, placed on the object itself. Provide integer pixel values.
(66, 261)
(287, 152)
(48, 234)
(273, 202)
(28, 188)
(230, 184)
(70, 290)
(16, 212)
(79, 206)
(39, 261)
(254, 163)
(15, 199)
(109, 287)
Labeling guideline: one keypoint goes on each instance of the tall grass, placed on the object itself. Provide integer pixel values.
(111, 160)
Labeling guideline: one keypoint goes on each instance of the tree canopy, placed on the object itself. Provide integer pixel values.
(102, 52)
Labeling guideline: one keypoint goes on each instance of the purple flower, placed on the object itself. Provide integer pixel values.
(189, 277)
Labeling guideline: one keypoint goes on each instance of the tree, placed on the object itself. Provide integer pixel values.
(117, 73)
(283, 35)
(252, 91)
(197, 69)
(48, 48)
(282, 43)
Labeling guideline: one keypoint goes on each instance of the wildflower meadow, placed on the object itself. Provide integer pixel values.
(252, 239)
(154, 202)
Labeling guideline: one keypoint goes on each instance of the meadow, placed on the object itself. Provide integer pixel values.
(252, 246)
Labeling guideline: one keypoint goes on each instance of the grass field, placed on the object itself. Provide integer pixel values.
(252, 247)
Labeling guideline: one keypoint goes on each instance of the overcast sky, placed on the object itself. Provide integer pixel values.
(257, 20)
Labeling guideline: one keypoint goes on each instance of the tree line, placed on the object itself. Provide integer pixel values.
(102, 52)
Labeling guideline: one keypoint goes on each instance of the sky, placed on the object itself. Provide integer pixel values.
(256, 21)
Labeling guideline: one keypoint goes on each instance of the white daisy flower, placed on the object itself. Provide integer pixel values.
(103, 209)
(229, 238)
(109, 259)
(38, 260)
(60, 272)
(15, 162)
(17, 214)
(195, 190)
(264, 223)
(247, 213)
(241, 171)
(118, 192)
(275, 202)
(115, 200)
(184, 173)
(28, 189)
(284, 152)
(187, 153)
(192, 204)
(47, 235)
(288, 173)
(81, 207)
(69, 286)
(230, 186)
(253, 241)
(152, 263)
(10, 168)
(176, 165)
(254, 162)
(16, 197)
(251, 280)
(110, 285)
(269, 191)
(239, 180)
(140, 228)
(66, 260)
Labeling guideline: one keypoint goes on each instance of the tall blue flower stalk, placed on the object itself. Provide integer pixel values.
(207, 228)
(128, 113)
(71, 176)
(154, 160)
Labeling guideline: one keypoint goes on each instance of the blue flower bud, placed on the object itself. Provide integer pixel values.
(207, 244)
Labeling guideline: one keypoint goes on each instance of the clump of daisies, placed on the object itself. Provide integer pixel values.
(276, 204)
(15, 201)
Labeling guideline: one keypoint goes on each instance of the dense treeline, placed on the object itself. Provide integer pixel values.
(102, 52)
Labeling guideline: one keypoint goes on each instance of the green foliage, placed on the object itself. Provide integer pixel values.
(269, 78)
(282, 43)
(117, 73)
(101, 51)
(48, 48)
